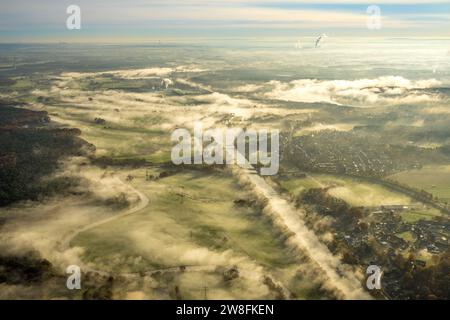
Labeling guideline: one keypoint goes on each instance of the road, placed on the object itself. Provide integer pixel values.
(142, 203)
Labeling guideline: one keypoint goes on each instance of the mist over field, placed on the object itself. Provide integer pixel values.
(88, 179)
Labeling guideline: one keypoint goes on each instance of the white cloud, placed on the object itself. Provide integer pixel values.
(248, 88)
(144, 73)
(362, 92)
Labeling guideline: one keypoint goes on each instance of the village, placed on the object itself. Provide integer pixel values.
(347, 153)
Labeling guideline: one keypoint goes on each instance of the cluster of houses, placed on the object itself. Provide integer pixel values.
(343, 153)
(431, 235)
(387, 229)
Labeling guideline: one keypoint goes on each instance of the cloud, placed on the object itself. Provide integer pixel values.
(390, 90)
(248, 88)
(42, 226)
(437, 110)
(133, 74)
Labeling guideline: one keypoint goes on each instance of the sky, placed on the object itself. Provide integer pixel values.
(141, 20)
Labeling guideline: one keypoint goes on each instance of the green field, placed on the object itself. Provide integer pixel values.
(192, 220)
(433, 179)
(358, 193)
(354, 192)
(416, 215)
(407, 236)
(122, 136)
(296, 186)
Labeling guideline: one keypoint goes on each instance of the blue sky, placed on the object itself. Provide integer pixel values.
(141, 20)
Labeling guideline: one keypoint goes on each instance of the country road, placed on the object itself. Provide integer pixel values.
(65, 244)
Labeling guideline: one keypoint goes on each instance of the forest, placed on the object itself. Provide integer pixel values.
(31, 148)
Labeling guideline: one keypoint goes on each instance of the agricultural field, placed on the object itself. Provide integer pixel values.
(433, 179)
(407, 236)
(355, 192)
(320, 126)
(360, 193)
(189, 223)
(412, 216)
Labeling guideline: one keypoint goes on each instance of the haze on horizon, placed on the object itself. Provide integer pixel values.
(144, 20)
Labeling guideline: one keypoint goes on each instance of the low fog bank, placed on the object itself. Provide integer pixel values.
(323, 266)
(37, 229)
